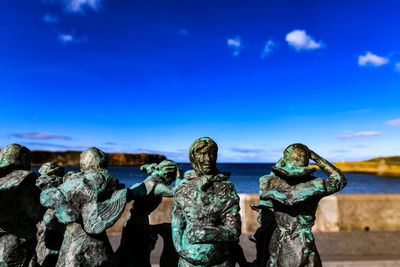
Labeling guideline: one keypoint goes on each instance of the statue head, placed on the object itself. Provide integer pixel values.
(50, 176)
(294, 163)
(15, 156)
(296, 155)
(51, 168)
(169, 170)
(93, 159)
(203, 156)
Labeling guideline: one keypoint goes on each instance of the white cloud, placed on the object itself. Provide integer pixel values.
(77, 6)
(70, 38)
(372, 60)
(66, 38)
(397, 66)
(393, 123)
(301, 41)
(268, 48)
(48, 18)
(354, 135)
(236, 44)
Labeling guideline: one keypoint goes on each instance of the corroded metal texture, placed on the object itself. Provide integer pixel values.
(87, 203)
(205, 217)
(292, 193)
(51, 232)
(138, 236)
(20, 209)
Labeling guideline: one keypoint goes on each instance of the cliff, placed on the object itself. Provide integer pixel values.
(71, 158)
(382, 166)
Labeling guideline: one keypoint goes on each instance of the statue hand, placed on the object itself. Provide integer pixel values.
(195, 234)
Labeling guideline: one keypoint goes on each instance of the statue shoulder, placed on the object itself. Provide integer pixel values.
(16, 178)
(269, 180)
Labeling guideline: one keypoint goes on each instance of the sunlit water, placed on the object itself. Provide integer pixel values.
(245, 178)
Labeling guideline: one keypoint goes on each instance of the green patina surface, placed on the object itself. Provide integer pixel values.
(87, 203)
(294, 193)
(205, 217)
(20, 209)
(138, 236)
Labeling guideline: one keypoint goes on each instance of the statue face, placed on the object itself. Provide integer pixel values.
(169, 174)
(169, 170)
(205, 157)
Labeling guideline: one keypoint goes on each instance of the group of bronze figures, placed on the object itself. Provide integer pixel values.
(60, 219)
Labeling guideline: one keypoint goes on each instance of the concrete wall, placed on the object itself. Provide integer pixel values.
(335, 213)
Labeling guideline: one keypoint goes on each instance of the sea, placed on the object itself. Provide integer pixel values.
(245, 177)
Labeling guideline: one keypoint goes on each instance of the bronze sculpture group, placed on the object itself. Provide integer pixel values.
(60, 219)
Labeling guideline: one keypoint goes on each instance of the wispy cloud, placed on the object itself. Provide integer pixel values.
(356, 135)
(397, 66)
(357, 111)
(41, 136)
(109, 143)
(180, 155)
(370, 59)
(248, 150)
(301, 41)
(268, 48)
(393, 123)
(70, 38)
(183, 32)
(50, 146)
(77, 6)
(235, 44)
(48, 18)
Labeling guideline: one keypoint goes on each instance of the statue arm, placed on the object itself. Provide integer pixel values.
(291, 195)
(178, 225)
(163, 190)
(229, 231)
(336, 180)
(142, 189)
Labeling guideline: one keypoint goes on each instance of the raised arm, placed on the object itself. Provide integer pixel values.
(336, 180)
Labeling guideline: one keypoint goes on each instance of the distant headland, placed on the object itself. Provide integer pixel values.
(382, 166)
(71, 158)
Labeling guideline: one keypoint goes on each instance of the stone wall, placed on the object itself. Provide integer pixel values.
(339, 212)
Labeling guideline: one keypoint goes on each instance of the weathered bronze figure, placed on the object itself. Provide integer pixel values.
(138, 236)
(51, 232)
(20, 209)
(294, 192)
(88, 203)
(205, 216)
(263, 235)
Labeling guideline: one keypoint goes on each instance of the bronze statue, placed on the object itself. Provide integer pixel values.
(263, 235)
(20, 209)
(205, 217)
(51, 232)
(138, 236)
(87, 202)
(292, 192)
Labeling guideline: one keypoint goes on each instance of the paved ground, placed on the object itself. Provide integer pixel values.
(341, 249)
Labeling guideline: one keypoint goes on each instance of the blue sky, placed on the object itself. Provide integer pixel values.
(153, 76)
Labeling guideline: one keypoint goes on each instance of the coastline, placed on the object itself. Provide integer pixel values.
(382, 166)
(71, 158)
